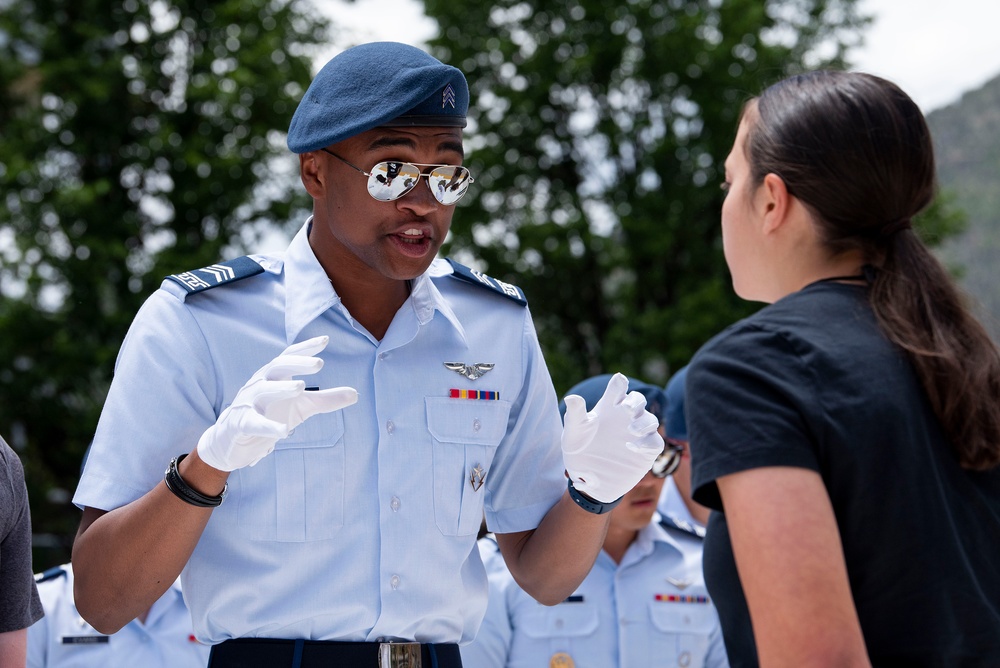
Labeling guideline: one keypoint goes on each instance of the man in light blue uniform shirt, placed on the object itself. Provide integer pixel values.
(161, 638)
(404, 397)
(644, 603)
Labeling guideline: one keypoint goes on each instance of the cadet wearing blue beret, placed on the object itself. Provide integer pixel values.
(359, 403)
(644, 603)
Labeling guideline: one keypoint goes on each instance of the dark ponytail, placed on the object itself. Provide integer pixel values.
(857, 152)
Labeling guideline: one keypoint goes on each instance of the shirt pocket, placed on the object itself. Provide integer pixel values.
(681, 631)
(566, 620)
(466, 433)
(296, 493)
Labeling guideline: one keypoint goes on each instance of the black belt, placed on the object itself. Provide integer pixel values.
(278, 653)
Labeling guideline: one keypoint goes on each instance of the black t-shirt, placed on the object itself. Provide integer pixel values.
(20, 606)
(811, 382)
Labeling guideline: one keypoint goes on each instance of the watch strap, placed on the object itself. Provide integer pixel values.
(589, 504)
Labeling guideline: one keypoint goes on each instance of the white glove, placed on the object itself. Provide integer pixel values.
(269, 406)
(608, 450)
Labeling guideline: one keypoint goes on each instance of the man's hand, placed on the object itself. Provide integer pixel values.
(269, 406)
(608, 450)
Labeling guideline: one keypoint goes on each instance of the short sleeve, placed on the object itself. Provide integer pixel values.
(20, 606)
(165, 374)
(527, 474)
(749, 403)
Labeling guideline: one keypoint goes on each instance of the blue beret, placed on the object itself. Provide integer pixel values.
(592, 389)
(676, 425)
(377, 84)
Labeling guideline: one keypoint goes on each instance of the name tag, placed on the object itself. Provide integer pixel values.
(86, 640)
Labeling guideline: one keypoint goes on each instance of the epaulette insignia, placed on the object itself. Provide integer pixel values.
(217, 274)
(50, 574)
(468, 275)
(682, 525)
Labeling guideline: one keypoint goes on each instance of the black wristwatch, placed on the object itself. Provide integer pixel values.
(175, 483)
(589, 504)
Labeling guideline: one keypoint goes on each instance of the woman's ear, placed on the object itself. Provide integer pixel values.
(774, 202)
(312, 174)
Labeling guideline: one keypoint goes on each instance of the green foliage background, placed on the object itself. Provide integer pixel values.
(137, 139)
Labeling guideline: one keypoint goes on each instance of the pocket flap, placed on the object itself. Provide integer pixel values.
(673, 617)
(564, 620)
(467, 421)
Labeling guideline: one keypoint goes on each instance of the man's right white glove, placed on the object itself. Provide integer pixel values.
(608, 450)
(269, 406)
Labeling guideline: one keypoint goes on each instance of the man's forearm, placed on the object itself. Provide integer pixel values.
(550, 562)
(123, 560)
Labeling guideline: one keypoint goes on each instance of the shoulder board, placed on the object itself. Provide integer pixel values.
(212, 276)
(468, 275)
(677, 524)
(51, 574)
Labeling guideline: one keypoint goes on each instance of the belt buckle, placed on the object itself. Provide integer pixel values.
(399, 655)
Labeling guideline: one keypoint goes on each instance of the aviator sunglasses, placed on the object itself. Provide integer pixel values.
(668, 460)
(391, 179)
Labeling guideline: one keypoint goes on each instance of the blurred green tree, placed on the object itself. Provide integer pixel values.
(138, 138)
(597, 135)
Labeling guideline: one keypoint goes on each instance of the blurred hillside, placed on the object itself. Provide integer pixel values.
(967, 142)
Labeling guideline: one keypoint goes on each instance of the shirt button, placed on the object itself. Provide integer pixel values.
(684, 659)
(559, 623)
(389, 426)
(382, 356)
(476, 425)
(394, 503)
(394, 582)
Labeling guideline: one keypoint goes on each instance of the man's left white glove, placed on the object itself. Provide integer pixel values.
(269, 406)
(608, 450)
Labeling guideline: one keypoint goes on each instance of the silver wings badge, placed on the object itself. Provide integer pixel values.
(470, 371)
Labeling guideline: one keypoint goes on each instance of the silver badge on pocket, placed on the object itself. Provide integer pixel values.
(477, 478)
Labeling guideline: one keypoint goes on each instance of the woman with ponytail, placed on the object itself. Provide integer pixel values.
(848, 434)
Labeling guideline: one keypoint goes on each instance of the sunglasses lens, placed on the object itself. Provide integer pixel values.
(449, 183)
(391, 180)
(666, 463)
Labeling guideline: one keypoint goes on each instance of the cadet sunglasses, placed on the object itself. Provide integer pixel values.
(389, 180)
(668, 460)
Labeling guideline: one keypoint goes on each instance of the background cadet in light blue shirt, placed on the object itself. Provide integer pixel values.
(404, 397)
(644, 603)
(676, 506)
(161, 638)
